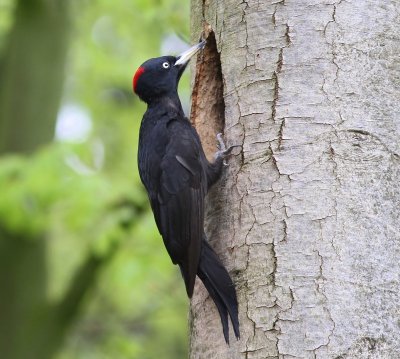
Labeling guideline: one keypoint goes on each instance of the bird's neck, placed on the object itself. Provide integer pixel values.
(170, 103)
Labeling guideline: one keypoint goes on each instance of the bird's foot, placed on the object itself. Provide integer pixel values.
(223, 152)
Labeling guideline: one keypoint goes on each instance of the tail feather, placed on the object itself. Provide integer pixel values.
(220, 287)
(223, 312)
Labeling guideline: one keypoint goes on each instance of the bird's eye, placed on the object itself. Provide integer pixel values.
(165, 65)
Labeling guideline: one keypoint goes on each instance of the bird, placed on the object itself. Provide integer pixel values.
(177, 175)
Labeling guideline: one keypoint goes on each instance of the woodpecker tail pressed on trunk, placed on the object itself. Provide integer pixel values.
(220, 287)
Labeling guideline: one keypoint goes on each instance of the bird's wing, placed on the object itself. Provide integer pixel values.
(179, 202)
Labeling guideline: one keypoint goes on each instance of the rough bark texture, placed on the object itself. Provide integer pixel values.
(307, 217)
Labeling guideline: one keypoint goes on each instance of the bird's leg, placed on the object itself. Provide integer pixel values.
(214, 170)
(223, 152)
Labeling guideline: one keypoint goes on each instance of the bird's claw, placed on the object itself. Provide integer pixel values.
(223, 152)
(220, 144)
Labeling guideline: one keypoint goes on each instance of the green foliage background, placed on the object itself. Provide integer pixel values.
(73, 208)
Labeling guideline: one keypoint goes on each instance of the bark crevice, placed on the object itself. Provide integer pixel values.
(208, 106)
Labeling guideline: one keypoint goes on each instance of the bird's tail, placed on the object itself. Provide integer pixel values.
(220, 287)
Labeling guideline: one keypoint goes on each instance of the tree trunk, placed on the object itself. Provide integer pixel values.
(306, 218)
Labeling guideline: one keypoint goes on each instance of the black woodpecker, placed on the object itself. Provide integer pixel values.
(177, 176)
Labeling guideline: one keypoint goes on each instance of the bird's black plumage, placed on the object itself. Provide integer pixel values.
(177, 176)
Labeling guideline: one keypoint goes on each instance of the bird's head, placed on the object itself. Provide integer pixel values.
(159, 77)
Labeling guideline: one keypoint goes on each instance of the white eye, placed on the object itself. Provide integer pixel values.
(165, 65)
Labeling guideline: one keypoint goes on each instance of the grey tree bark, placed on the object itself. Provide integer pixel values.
(306, 218)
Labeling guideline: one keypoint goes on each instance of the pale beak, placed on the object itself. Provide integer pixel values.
(184, 58)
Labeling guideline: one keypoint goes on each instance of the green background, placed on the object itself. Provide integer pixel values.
(83, 270)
